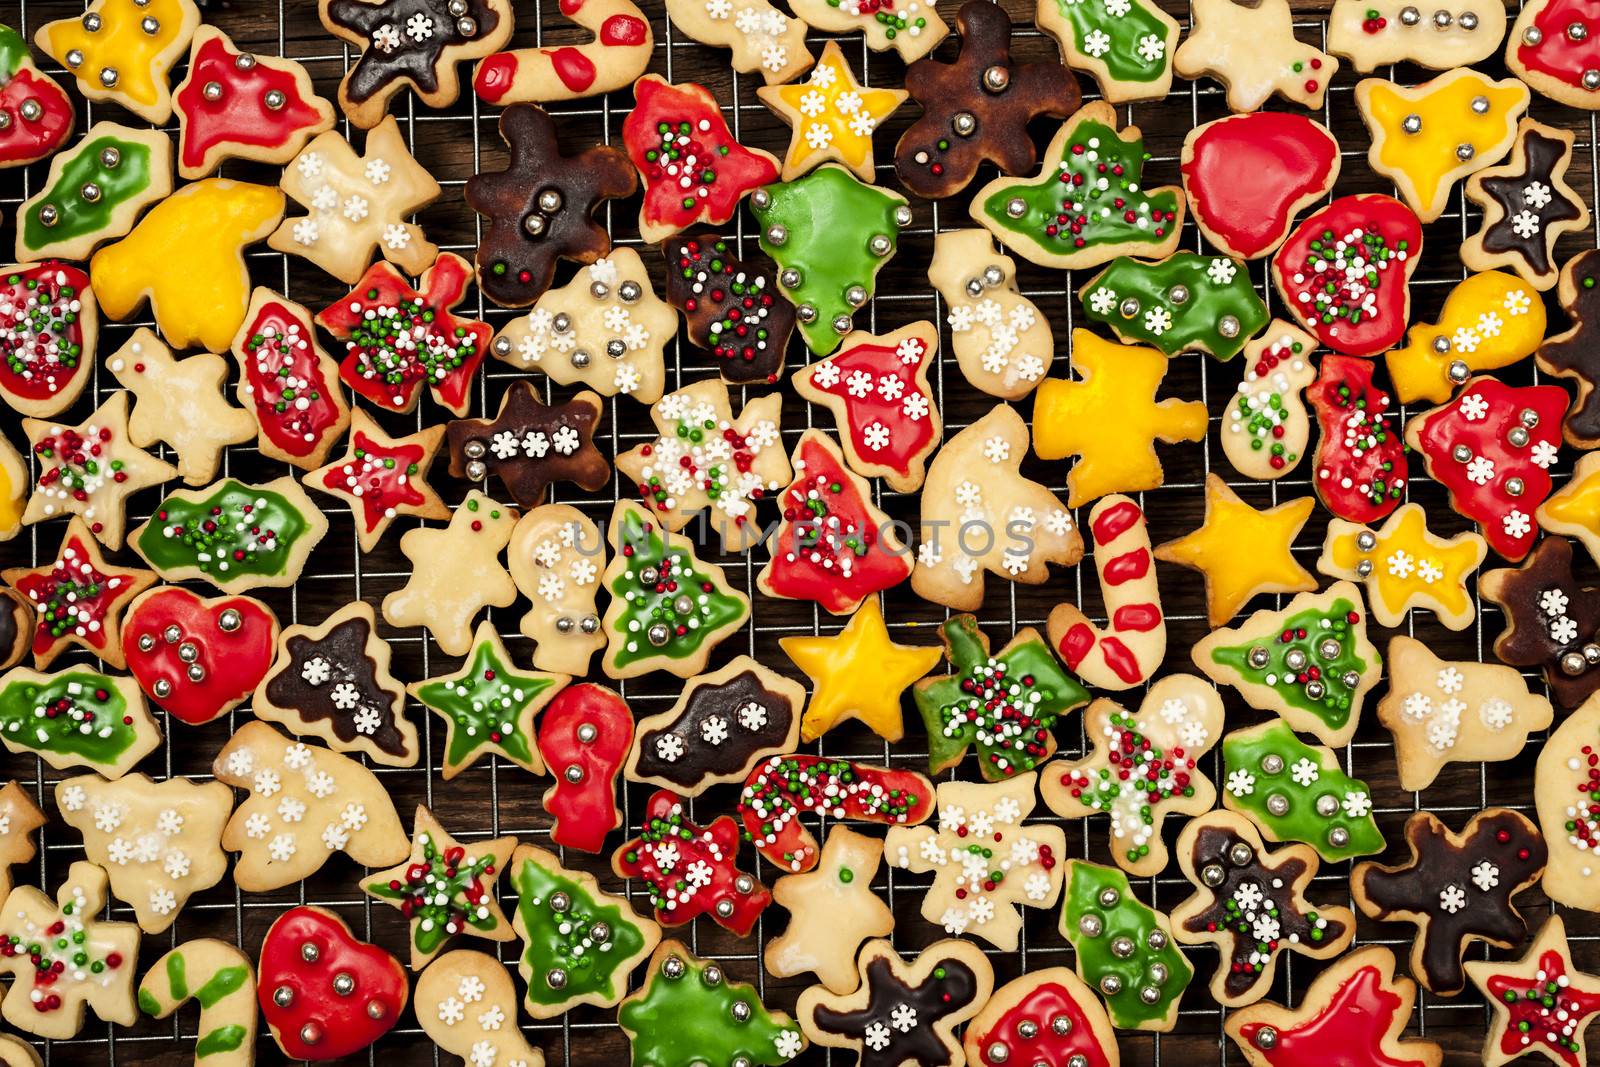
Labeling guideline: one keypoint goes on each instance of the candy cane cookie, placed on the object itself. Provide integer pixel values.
(223, 981)
(618, 54)
(1128, 649)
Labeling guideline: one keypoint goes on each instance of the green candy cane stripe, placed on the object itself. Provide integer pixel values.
(1125, 950)
(1185, 303)
(226, 995)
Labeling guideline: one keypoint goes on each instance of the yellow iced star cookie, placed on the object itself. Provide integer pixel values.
(1111, 419)
(1242, 551)
(1574, 510)
(1430, 136)
(1406, 566)
(1252, 50)
(187, 257)
(1490, 320)
(858, 673)
(122, 50)
(833, 116)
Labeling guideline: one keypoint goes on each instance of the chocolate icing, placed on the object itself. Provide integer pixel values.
(344, 650)
(700, 758)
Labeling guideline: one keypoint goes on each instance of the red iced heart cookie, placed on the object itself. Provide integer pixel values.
(324, 993)
(198, 657)
(1360, 464)
(1246, 176)
(1345, 272)
(584, 736)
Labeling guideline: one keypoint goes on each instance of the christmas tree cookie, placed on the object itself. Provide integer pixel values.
(1124, 949)
(689, 1013)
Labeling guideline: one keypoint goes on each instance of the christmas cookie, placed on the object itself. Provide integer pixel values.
(832, 116)
(540, 208)
(219, 978)
(1455, 888)
(733, 308)
(94, 192)
(858, 673)
(1128, 649)
(832, 910)
(1266, 427)
(1527, 206)
(1360, 462)
(383, 477)
(912, 28)
(77, 598)
(832, 546)
(1490, 320)
(332, 682)
(668, 609)
(305, 804)
(555, 557)
(488, 706)
(121, 51)
(529, 444)
(47, 344)
(1124, 45)
(287, 382)
(877, 388)
(1087, 205)
(1293, 791)
(1242, 552)
(19, 818)
(977, 109)
(412, 44)
(690, 870)
(1570, 354)
(1492, 448)
(618, 52)
(979, 514)
(1047, 1015)
(1123, 949)
(1376, 33)
(1565, 792)
(1156, 753)
(1550, 47)
(308, 951)
(1311, 662)
(1186, 303)
(186, 257)
(242, 105)
(1574, 509)
(1110, 419)
(764, 39)
(158, 841)
(1551, 620)
(39, 114)
(1405, 566)
(77, 717)
(467, 1005)
(455, 573)
(1251, 904)
(1253, 52)
(681, 1017)
(1000, 338)
(1247, 176)
(579, 944)
(584, 738)
(14, 483)
(198, 658)
(986, 864)
(16, 629)
(445, 888)
(703, 457)
(782, 788)
(236, 536)
(1427, 138)
(1345, 272)
(1542, 1003)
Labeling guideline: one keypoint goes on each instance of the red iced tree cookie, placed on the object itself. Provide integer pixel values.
(1247, 176)
(690, 870)
(288, 382)
(198, 657)
(1345, 272)
(585, 736)
(47, 336)
(78, 598)
(783, 788)
(35, 114)
(1360, 459)
(1045, 1017)
(1492, 447)
(834, 546)
(1554, 46)
(324, 993)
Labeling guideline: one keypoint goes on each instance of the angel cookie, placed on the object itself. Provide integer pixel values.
(1406, 566)
(1000, 338)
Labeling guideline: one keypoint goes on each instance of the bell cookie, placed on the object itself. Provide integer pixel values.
(455, 573)
(621, 48)
(1001, 340)
(94, 192)
(1527, 206)
(555, 557)
(585, 735)
(197, 657)
(832, 910)
(1252, 51)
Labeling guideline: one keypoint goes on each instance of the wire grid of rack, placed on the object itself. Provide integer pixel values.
(495, 798)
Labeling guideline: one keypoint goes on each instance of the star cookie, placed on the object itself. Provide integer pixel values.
(455, 573)
(77, 598)
(832, 910)
(383, 477)
(1527, 206)
(530, 444)
(1254, 53)
(1542, 1003)
(1406, 566)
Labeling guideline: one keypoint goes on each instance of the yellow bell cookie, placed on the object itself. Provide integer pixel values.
(858, 673)
(833, 116)
(1490, 320)
(1242, 551)
(1111, 419)
(122, 50)
(1430, 136)
(1574, 510)
(187, 257)
(1405, 566)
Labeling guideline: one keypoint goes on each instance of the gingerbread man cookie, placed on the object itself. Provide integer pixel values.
(1265, 430)
(287, 382)
(732, 307)
(198, 658)
(1406, 566)
(1128, 649)
(1252, 50)
(619, 52)
(529, 444)
(1569, 354)
(678, 1018)
(832, 910)
(1123, 949)
(585, 736)
(455, 573)
(383, 478)
(1490, 320)
(94, 192)
(76, 598)
(1527, 206)
(236, 536)
(1000, 338)
(1551, 620)
(555, 557)
(122, 51)
(467, 1005)
(763, 38)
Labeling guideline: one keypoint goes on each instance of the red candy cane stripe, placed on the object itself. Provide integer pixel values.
(618, 54)
(1125, 652)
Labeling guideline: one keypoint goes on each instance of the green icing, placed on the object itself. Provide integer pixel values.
(227, 980)
(441, 894)
(148, 1003)
(78, 215)
(76, 713)
(1006, 705)
(828, 222)
(485, 706)
(1267, 764)
(1100, 912)
(13, 52)
(1311, 662)
(1113, 31)
(236, 530)
(586, 940)
(178, 976)
(222, 1039)
(688, 1020)
(1185, 302)
(669, 608)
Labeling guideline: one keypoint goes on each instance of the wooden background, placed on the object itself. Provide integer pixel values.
(498, 798)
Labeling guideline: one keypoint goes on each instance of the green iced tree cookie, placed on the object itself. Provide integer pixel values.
(688, 1014)
(1297, 792)
(95, 191)
(1186, 302)
(1125, 950)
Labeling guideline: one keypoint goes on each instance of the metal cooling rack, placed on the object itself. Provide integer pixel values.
(495, 798)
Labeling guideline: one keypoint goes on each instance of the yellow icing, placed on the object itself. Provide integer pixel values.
(187, 256)
(13, 489)
(815, 104)
(1111, 419)
(1425, 164)
(1490, 320)
(122, 45)
(1411, 567)
(1574, 511)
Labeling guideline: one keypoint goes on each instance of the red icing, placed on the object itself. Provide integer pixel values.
(32, 365)
(706, 153)
(1439, 432)
(575, 69)
(1115, 521)
(887, 381)
(836, 789)
(828, 548)
(1141, 618)
(716, 846)
(1127, 567)
(1246, 174)
(1557, 54)
(1076, 643)
(287, 361)
(495, 77)
(241, 116)
(1569, 1009)
(26, 140)
(234, 661)
(1121, 660)
(75, 594)
(623, 31)
(384, 475)
(585, 811)
(341, 1024)
(1360, 442)
(1040, 1006)
(1348, 1032)
(571, 7)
